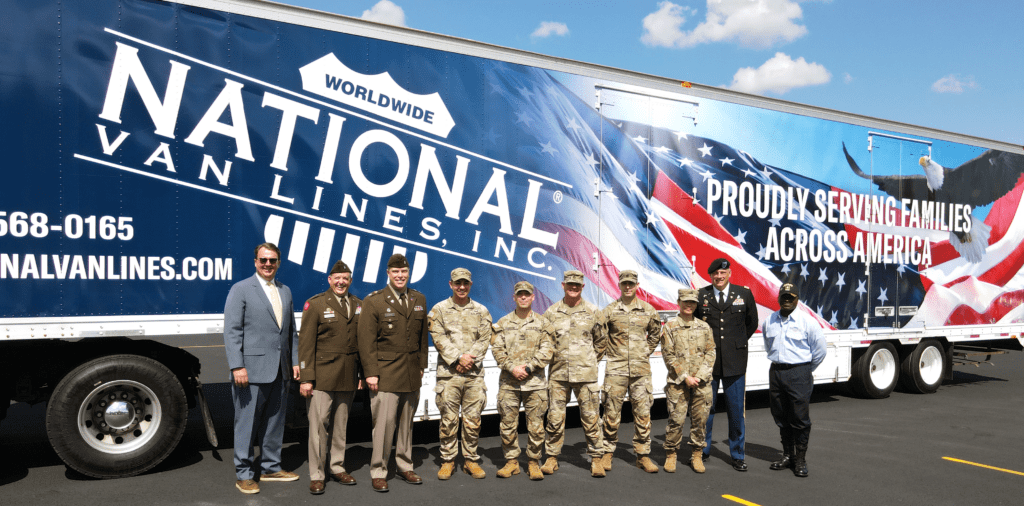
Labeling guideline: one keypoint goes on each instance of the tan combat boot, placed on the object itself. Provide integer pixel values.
(597, 468)
(473, 469)
(445, 473)
(550, 466)
(696, 461)
(606, 461)
(644, 462)
(511, 467)
(535, 472)
(670, 462)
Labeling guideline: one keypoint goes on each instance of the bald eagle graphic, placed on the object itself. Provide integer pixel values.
(977, 183)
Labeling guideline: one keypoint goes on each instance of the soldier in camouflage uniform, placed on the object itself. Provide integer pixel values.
(580, 343)
(689, 352)
(461, 329)
(522, 345)
(634, 331)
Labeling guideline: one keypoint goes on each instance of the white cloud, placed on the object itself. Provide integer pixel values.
(847, 78)
(779, 75)
(548, 28)
(757, 24)
(385, 11)
(954, 83)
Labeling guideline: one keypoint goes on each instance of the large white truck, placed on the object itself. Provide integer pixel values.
(149, 146)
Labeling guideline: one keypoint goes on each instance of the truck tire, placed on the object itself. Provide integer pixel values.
(876, 372)
(923, 368)
(116, 416)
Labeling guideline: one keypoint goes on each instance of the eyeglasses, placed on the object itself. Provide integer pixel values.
(271, 261)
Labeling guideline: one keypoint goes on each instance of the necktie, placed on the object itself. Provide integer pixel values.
(348, 310)
(402, 301)
(275, 302)
(721, 298)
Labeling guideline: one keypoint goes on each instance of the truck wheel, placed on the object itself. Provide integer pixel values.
(116, 416)
(923, 368)
(876, 371)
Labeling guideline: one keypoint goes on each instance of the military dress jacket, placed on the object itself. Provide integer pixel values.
(457, 331)
(580, 341)
(634, 331)
(731, 324)
(328, 349)
(689, 350)
(393, 340)
(523, 341)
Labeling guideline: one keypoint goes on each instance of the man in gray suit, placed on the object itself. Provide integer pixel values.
(262, 350)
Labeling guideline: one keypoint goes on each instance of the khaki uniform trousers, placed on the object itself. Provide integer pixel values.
(467, 394)
(588, 396)
(328, 423)
(536, 403)
(639, 390)
(392, 413)
(681, 400)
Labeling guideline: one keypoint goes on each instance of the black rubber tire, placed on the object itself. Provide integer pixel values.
(131, 375)
(879, 358)
(924, 368)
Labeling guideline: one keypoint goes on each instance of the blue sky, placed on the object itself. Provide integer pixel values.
(950, 65)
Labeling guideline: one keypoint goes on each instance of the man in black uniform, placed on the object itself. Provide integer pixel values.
(731, 312)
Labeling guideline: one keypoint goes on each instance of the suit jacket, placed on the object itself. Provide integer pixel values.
(328, 349)
(393, 340)
(731, 324)
(252, 337)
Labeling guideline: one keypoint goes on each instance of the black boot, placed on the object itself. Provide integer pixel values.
(786, 462)
(800, 461)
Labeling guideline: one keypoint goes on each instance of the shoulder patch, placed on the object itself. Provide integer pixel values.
(306, 306)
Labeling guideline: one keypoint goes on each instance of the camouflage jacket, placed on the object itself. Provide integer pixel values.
(459, 330)
(519, 341)
(634, 331)
(580, 341)
(688, 349)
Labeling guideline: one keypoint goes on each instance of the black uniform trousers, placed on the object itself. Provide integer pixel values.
(789, 394)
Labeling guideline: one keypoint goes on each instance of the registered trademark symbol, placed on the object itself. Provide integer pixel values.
(557, 197)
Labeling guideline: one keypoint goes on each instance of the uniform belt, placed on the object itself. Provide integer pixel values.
(784, 367)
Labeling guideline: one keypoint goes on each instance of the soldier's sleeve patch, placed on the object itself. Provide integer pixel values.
(306, 306)
(359, 309)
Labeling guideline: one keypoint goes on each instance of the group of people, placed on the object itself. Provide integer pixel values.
(380, 342)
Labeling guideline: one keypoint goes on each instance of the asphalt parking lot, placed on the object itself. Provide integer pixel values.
(959, 446)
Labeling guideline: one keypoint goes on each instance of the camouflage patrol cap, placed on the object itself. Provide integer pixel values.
(398, 261)
(572, 276)
(687, 295)
(523, 286)
(340, 267)
(461, 273)
(627, 276)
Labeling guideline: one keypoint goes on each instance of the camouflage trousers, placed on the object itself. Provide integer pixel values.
(468, 395)
(536, 403)
(639, 389)
(588, 395)
(681, 400)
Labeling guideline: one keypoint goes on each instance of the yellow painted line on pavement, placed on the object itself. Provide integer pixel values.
(951, 459)
(741, 501)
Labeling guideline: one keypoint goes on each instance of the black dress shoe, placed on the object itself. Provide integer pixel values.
(739, 465)
(705, 456)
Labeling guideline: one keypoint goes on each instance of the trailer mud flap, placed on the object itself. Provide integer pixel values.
(204, 408)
